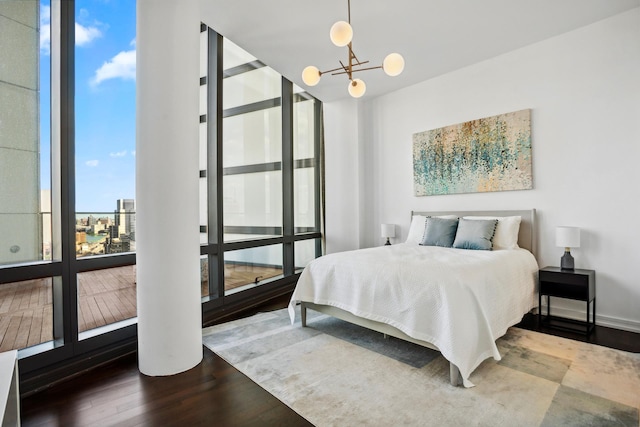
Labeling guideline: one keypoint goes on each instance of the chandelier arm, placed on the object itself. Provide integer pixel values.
(356, 70)
(335, 69)
(352, 54)
(368, 68)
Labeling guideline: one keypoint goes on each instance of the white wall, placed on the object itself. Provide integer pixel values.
(584, 91)
(341, 177)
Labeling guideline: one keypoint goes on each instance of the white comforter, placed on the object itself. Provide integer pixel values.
(459, 300)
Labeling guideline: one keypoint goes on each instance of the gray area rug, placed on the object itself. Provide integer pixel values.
(334, 373)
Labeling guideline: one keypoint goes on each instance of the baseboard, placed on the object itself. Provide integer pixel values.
(601, 320)
(34, 382)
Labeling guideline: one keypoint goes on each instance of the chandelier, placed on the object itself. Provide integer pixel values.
(341, 35)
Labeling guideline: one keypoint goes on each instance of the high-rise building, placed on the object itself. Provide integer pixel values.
(125, 217)
(20, 220)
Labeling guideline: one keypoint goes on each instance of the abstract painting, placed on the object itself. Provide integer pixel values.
(490, 154)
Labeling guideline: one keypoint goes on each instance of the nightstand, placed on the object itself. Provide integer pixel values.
(577, 284)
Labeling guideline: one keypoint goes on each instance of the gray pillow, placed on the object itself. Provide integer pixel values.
(475, 234)
(439, 232)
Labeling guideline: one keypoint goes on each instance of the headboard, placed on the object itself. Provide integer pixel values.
(526, 236)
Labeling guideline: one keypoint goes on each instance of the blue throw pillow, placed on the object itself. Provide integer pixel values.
(475, 234)
(439, 232)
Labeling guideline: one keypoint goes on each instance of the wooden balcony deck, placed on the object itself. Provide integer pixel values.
(105, 296)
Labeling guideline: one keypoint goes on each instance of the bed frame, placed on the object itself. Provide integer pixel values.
(526, 240)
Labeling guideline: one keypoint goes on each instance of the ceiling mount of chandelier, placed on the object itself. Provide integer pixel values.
(341, 35)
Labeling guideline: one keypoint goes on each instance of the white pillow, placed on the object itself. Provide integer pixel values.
(416, 229)
(506, 235)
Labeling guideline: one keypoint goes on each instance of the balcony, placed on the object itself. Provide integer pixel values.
(105, 297)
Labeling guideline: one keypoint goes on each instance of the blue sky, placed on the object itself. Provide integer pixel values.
(104, 102)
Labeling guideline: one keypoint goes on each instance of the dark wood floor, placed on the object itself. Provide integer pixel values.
(601, 335)
(213, 393)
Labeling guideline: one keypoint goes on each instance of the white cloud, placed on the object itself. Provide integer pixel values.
(45, 29)
(92, 163)
(121, 66)
(119, 153)
(133, 153)
(85, 35)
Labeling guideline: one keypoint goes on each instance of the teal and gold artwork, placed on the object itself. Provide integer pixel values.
(489, 154)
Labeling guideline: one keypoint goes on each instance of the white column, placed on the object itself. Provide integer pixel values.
(167, 233)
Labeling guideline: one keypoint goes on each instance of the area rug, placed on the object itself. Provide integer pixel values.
(334, 373)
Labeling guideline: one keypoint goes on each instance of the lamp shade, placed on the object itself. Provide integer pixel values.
(311, 75)
(357, 88)
(388, 230)
(393, 64)
(568, 237)
(341, 33)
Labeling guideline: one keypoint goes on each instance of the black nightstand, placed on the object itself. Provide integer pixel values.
(575, 284)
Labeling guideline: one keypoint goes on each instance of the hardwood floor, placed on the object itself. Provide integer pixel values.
(606, 337)
(213, 393)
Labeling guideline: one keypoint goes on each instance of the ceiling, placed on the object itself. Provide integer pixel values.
(434, 36)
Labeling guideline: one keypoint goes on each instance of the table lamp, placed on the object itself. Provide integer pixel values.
(388, 230)
(567, 237)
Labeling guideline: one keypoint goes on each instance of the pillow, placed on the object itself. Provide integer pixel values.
(440, 232)
(475, 234)
(418, 224)
(416, 229)
(506, 236)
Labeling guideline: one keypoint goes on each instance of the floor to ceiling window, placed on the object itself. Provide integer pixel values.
(260, 157)
(67, 151)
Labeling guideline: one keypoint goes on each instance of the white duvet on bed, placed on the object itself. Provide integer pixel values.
(459, 300)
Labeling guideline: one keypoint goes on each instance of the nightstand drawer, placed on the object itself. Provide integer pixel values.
(565, 290)
(557, 277)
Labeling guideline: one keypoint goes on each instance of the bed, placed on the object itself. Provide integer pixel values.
(456, 301)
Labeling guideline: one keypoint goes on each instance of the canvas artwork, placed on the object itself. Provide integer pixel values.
(489, 154)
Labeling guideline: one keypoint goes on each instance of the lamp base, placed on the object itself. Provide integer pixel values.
(566, 262)
(388, 242)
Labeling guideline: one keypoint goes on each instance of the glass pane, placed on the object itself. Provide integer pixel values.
(304, 201)
(233, 55)
(106, 296)
(251, 86)
(252, 138)
(204, 220)
(105, 112)
(305, 252)
(99, 233)
(249, 268)
(252, 205)
(26, 313)
(204, 276)
(25, 143)
(303, 129)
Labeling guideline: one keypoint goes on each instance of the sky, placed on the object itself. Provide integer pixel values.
(105, 68)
